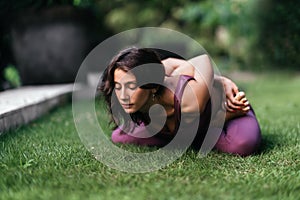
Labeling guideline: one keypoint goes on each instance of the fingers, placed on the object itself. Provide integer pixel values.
(240, 95)
(230, 106)
(234, 109)
(233, 102)
(239, 102)
(235, 89)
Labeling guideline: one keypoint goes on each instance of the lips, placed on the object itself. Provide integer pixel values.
(127, 106)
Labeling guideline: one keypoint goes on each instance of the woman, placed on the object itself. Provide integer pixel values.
(136, 80)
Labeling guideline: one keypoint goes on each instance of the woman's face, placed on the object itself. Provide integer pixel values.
(131, 97)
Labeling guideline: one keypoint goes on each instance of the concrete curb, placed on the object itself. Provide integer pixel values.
(23, 105)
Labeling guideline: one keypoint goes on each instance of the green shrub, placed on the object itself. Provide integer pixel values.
(11, 74)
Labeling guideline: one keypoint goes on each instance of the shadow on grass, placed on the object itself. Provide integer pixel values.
(269, 142)
(9, 134)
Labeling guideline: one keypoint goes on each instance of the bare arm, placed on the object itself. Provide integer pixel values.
(201, 69)
(175, 66)
(198, 67)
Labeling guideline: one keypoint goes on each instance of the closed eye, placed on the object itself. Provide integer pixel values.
(118, 86)
(132, 85)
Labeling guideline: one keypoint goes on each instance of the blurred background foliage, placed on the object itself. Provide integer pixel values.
(245, 34)
(242, 34)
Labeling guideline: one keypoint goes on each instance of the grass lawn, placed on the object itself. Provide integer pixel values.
(47, 160)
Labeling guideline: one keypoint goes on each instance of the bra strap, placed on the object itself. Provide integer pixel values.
(183, 80)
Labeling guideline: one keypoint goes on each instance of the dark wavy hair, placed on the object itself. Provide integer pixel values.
(149, 76)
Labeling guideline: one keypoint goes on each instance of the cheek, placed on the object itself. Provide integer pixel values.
(141, 95)
(117, 93)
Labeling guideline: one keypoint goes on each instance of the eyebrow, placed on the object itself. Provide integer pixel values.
(129, 82)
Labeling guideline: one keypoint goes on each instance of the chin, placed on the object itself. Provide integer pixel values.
(129, 111)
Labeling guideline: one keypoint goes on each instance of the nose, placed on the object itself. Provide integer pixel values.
(124, 96)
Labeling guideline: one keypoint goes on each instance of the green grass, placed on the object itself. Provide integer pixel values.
(47, 160)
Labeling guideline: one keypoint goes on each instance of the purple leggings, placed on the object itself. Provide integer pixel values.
(239, 136)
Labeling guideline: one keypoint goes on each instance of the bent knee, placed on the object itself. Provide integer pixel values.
(247, 145)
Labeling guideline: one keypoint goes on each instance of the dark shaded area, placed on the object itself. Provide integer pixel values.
(50, 44)
(164, 54)
(279, 33)
(47, 40)
(6, 17)
(269, 142)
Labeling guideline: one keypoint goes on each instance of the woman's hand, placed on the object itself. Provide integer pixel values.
(235, 100)
(242, 110)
